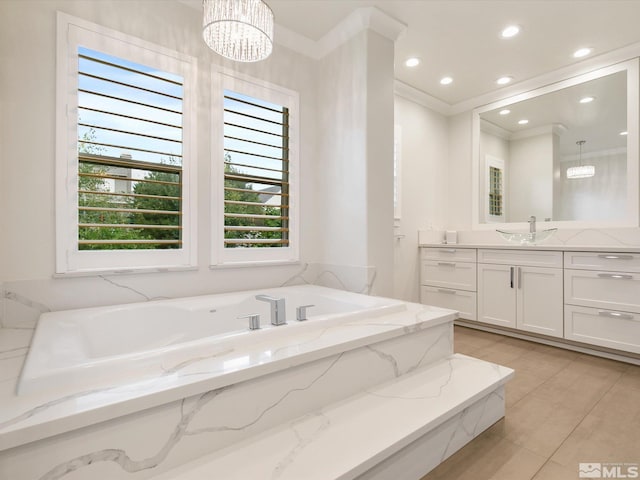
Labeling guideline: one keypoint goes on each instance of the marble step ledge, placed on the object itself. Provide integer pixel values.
(401, 429)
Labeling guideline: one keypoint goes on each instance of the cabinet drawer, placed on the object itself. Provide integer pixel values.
(610, 290)
(607, 328)
(456, 275)
(617, 262)
(533, 258)
(448, 254)
(460, 300)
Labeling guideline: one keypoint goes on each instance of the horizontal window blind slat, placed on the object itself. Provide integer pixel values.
(253, 154)
(128, 210)
(253, 179)
(253, 117)
(129, 163)
(254, 142)
(251, 215)
(234, 164)
(233, 189)
(129, 242)
(256, 241)
(127, 195)
(131, 117)
(236, 125)
(248, 228)
(128, 132)
(128, 69)
(126, 179)
(128, 85)
(127, 100)
(129, 147)
(129, 225)
(247, 102)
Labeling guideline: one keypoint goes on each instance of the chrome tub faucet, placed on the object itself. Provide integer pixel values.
(278, 309)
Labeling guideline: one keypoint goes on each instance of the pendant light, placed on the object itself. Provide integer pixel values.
(581, 171)
(240, 30)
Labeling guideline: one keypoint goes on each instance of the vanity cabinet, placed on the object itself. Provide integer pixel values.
(602, 299)
(448, 279)
(521, 289)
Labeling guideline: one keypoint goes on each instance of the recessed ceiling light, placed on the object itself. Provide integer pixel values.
(506, 111)
(504, 80)
(624, 133)
(587, 99)
(446, 80)
(582, 52)
(412, 62)
(524, 121)
(510, 31)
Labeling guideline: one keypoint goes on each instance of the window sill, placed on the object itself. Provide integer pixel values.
(256, 263)
(122, 271)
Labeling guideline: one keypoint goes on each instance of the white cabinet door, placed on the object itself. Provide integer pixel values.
(497, 295)
(539, 300)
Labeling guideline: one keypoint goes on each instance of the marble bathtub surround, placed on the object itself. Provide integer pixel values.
(200, 409)
(343, 432)
(20, 416)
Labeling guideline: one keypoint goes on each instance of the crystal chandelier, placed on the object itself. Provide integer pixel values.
(241, 30)
(581, 171)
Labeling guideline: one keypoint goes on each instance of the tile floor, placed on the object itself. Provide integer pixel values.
(563, 408)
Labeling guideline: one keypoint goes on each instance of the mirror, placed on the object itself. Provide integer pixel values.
(566, 153)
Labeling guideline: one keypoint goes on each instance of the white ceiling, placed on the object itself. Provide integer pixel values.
(461, 38)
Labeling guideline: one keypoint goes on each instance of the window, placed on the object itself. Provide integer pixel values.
(257, 166)
(125, 153)
(495, 191)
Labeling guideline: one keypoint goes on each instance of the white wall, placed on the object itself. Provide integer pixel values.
(425, 196)
(530, 181)
(346, 139)
(593, 198)
(355, 158)
(459, 179)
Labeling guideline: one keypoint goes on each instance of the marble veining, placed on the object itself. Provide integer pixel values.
(27, 302)
(273, 405)
(127, 287)
(305, 431)
(469, 401)
(120, 456)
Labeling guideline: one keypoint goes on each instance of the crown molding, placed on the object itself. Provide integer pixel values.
(585, 66)
(365, 18)
(408, 92)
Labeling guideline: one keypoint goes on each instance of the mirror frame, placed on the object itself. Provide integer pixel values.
(632, 218)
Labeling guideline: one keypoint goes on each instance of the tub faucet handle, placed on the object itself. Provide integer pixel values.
(254, 320)
(301, 312)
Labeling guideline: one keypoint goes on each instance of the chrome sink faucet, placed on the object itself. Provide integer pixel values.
(532, 224)
(278, 309)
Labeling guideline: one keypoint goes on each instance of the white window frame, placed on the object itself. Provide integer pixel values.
(71, 33)
(224, 79)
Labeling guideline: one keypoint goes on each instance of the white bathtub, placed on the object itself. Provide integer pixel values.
(99, 346)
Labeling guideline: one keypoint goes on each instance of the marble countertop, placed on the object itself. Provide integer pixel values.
(31, 417)
(542, 247)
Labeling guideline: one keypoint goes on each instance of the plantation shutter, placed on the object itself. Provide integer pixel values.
(129, 155)
(256, 173)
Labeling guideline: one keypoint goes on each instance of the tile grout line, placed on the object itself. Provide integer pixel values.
(577, 425)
